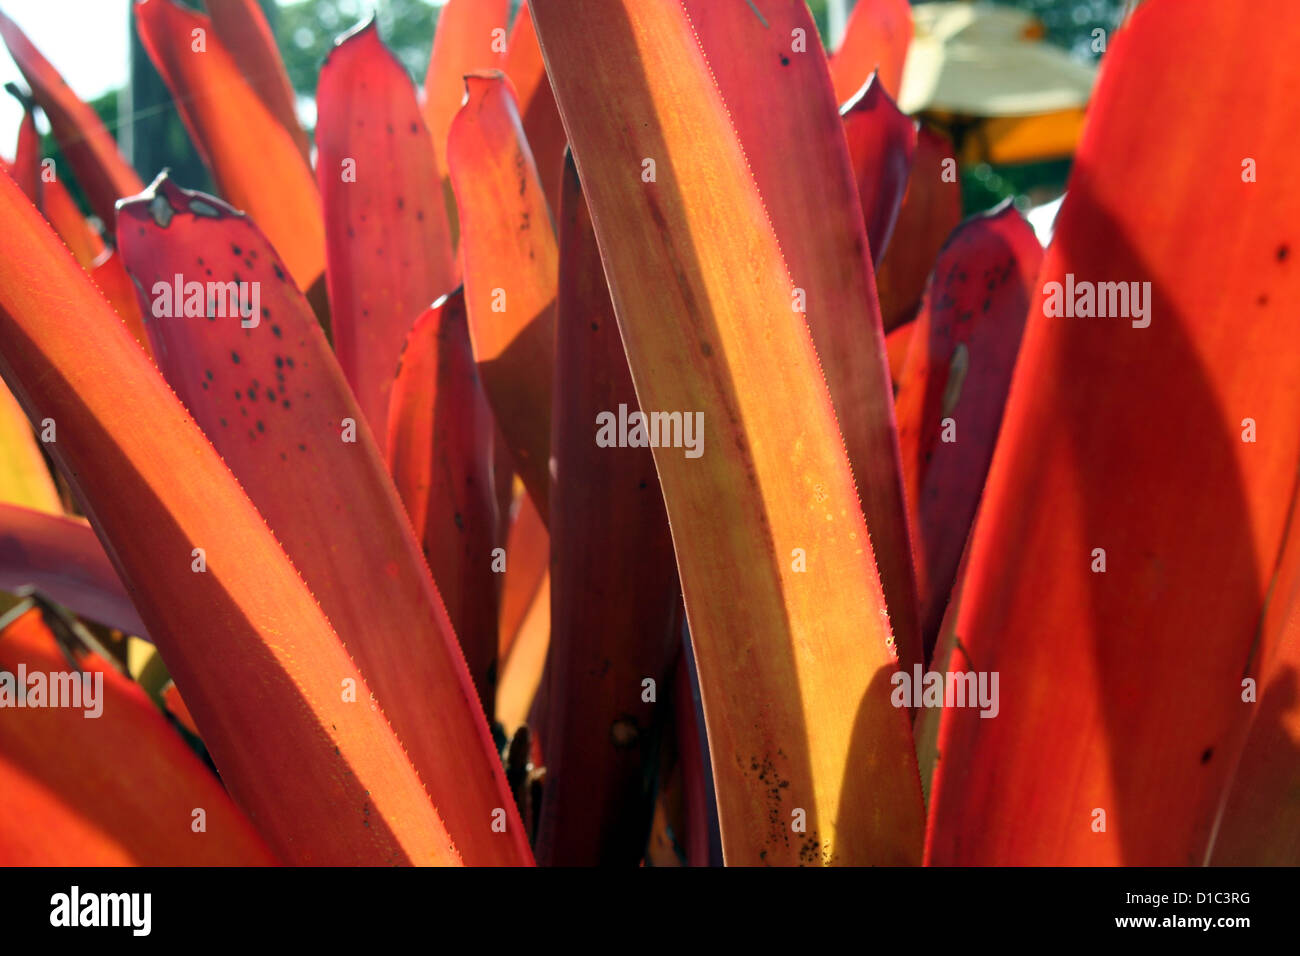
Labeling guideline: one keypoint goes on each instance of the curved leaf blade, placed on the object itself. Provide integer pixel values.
(511, 262)
(113, 788)
(275, 404)
(781, 105)
(1115, 437)
(248, 646)
(703, 299)
(63, 559)
(440, 442)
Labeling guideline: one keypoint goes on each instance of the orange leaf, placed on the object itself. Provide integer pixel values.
(256, 163)
(528, 550)
(1122, 442)
(794, 667)
(275, 403)
(510, 256)
(781, 105)
(256, 659)
(113, 788)
(241, 27)
(523, 665)
(464, 42)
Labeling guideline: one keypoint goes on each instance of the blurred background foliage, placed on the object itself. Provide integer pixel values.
(154, 136)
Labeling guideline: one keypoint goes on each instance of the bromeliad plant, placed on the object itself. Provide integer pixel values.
(334, 438)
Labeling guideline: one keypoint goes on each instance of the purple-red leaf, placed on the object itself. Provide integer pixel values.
(881, 141)
(440, 442)
(614, 590)
(62, 558)
(953, 387)
(930, 212)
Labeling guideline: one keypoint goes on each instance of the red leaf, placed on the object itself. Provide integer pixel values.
(274, 402)
(510, 256)
(256, 163)
(387, 240)
(1122, 691)
(931, 210)
(614, 590)
(959, 368)
(440, 441)
(881, 141)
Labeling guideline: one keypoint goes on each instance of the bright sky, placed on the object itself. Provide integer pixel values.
(86, 40)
